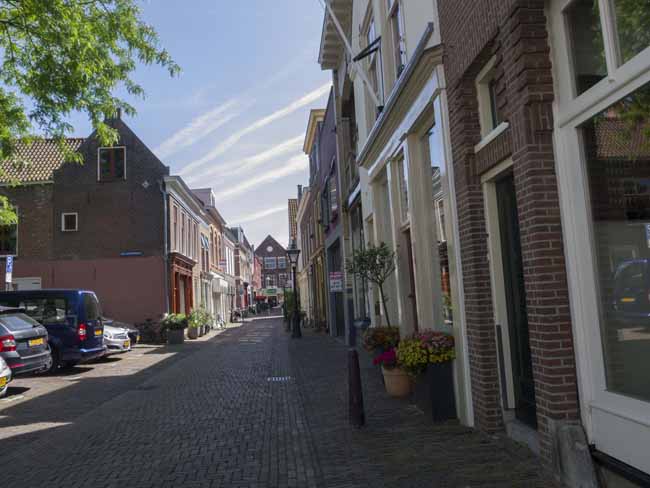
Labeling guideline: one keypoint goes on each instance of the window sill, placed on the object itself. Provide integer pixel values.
(492, 135)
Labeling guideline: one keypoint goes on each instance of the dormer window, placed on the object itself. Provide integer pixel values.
(111, 164)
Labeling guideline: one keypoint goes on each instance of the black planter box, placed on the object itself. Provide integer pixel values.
(434, 392)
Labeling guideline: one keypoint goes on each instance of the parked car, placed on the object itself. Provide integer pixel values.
(116, 340)
(5, 377)
(72, 319)
(631, 293)
(23, 342)
(134, 334)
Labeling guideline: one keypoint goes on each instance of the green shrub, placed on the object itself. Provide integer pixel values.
(174, 321)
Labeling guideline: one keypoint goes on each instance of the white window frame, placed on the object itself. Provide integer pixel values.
(76, 221)
(99, 173)
(616, 424)
(395, 14)
(485, 76)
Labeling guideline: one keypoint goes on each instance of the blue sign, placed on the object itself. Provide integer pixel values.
(10, 264)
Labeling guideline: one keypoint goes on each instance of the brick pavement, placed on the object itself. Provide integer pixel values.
(248, 408)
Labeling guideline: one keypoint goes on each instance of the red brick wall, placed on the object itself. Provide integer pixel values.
(515, 31)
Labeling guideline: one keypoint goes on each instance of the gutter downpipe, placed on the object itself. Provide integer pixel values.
(166, 244)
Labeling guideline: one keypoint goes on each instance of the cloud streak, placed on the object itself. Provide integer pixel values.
(298, 163)
(251, 162)
(260, 215)
(225, 145)
(201, 126)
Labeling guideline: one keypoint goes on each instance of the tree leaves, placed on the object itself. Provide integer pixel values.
(62, 56)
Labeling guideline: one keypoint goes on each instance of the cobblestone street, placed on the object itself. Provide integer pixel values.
(247, 408)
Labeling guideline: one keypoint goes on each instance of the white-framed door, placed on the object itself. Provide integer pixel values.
(603, 165)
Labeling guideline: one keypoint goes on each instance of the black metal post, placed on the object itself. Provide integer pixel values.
(296, 333)
(355, 393)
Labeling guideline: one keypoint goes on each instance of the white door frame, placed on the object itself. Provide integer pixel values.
(616, 424)
(497, 281)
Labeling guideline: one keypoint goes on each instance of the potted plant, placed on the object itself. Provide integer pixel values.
(434, 385)
(396, 379)
(378, 340)
(374, 264)
(175, 325)
(193, 325)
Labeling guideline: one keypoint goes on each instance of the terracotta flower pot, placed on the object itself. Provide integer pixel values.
(192, 332)
(397, 382)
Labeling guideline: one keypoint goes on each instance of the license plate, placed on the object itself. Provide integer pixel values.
(36, 342)
(98, 332)
(3, 382)
(628, 300)
(127, 344)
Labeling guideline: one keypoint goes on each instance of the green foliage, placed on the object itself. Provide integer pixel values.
(199, 317)
(62, 56)
(374, 264)
(174, 321)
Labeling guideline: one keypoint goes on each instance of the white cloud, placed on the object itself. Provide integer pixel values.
(200, 127)
(260, 215)
(223, 146)
(251, 162)
(298, 163)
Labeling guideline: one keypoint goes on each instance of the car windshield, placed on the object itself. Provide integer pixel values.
(18, 321)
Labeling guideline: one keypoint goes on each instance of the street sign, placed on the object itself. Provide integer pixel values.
(336, 281)
(9, 271)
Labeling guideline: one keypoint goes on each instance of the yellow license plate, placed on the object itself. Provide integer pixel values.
(36, 342)
(628, 300)
(3, 382)
(98, 332)
(127, 344)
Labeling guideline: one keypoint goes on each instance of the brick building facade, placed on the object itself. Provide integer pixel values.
(276, 268)
(98, 225)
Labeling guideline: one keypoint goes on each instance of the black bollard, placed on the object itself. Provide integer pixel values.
(357, 415)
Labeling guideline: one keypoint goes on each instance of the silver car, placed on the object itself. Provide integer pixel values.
(116, 340)
(5, 377)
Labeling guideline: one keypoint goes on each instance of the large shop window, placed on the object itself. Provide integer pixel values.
(617, 149)
(433, 144)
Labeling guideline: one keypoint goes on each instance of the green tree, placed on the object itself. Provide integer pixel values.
(374, 264)
(63, 56)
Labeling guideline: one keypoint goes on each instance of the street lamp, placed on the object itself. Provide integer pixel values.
(293, 252)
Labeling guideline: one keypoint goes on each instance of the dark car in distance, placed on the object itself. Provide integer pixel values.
(631, 293)
(23, 343)
(72, 319)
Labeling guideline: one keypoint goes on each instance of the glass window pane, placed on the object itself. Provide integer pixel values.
(617, 149)
(587, 51)
(632, 25)
(441, 201)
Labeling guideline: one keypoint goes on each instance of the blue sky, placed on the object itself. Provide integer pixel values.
(235, 118)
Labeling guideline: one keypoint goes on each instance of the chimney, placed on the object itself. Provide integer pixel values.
(299, 192)
(118, 114)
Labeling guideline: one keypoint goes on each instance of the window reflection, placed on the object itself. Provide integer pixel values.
(440, 204)
(588, 53)
(617, 147)
(632, 21)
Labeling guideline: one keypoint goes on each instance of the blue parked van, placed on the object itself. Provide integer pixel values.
(72, 319)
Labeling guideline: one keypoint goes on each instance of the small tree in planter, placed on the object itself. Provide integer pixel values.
(374, 264)
(175, 325)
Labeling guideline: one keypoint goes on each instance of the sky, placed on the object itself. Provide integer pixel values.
(235, 118)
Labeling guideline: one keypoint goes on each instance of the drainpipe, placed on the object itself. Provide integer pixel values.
(166, 244)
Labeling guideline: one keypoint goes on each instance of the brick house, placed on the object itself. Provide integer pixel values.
(276, 270)
(98, 225)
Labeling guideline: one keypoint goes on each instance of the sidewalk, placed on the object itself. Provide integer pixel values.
(398, 447)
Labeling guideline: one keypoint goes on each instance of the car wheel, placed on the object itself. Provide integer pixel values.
(56, 361)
